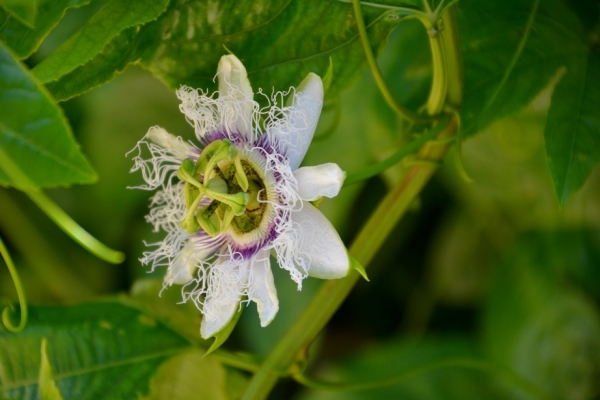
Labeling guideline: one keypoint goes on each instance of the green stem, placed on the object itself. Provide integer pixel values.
(71, 228)
(505, 374)
(383, 87)
(20, 293)
(410, 148)
(332, 293)
(56, 214)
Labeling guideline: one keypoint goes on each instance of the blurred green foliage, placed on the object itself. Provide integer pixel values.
(495, 270)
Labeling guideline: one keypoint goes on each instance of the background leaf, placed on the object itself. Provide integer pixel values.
(190, 375)
(539, 321)
(278, 41)
(34, 135)
(98, 351)
(572, 133)
(88, 41)
(24, 40)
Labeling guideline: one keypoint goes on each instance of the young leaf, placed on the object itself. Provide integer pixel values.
(223, 334)
(280, 42)
(23, 39)
(37, 148)
(572, 132)
(88, 41)
(355, 265)
(97, 347)
(47, 386)
(24, 10)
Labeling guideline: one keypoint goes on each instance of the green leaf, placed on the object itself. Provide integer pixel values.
(47, 386)
(24, 10)
(280, 42)
(99, 350)
(279, 45)
(511, 57)
(165, 305)
(24, 40)
(37, 148)
(538, 322)
(113, 59)
(572, 132)
(87, 42)
(191, 375)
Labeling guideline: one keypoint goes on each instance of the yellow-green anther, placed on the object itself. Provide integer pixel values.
(206, 154)
(217, 185)
(253, 202)
(192, 226)
(188, 166)
(227, 218)
(221, 154)
(209, 224)
(236, 201)
(187, 176)
(189, 194)
(239, 173)
(191, 210)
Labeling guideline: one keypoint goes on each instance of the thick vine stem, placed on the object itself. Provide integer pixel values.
(332, 293)
(378, 227)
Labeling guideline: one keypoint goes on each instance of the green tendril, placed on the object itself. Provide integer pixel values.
(71, 228)
(381, 84)
(20, 293)
(405, 151)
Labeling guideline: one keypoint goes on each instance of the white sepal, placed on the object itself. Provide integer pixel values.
(175, 145)
(323, 180)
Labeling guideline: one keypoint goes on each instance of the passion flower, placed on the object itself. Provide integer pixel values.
(238, 196)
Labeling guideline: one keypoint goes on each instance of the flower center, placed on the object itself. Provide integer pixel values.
(233, 189)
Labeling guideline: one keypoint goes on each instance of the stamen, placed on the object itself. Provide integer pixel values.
(210, 223)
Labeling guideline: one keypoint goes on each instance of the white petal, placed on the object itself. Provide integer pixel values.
(183, 267)
(175, 145)
(319, 247)
(262, 288)
(235, 88)
(224, 310)
(303, 117)
(323, 180)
